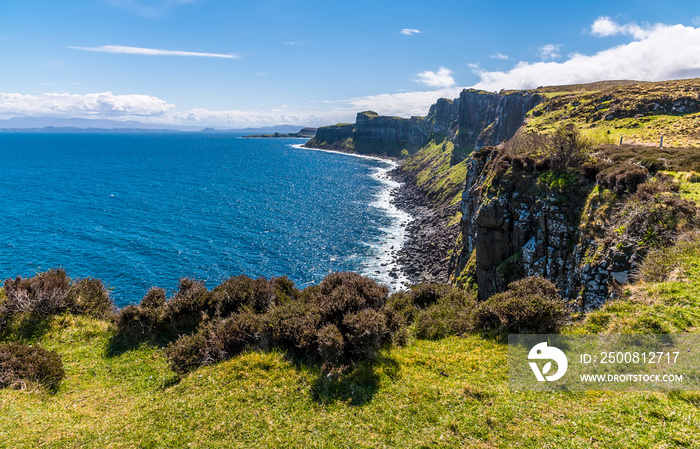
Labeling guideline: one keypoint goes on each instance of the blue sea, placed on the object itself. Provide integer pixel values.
(143, 209)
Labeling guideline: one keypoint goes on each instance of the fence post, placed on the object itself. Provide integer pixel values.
(661, 142)
(620, 140)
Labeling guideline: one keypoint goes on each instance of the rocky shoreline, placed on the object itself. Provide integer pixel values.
(424, 256)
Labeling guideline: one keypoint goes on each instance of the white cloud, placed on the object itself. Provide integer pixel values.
(549, 51)
(152, 51)
(605, 26)
(499, 56)
(410, 31)
(402, 104)
(696, 21)
(664, 52)
(103, 105)
(251, 118)
(442, 78)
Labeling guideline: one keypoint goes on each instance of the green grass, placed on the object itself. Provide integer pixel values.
(434, 173)
(689, 185)
(585, 106)
(447, 393)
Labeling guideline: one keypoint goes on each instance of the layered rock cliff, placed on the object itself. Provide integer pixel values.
(392, 136)
(487, 118)
(587, 228)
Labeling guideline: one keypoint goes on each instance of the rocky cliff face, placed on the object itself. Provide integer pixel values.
(487, 118)
(393, 136)
(521, 218)
(514, 226)
(479, 118)
(329, 135)
(374, 133)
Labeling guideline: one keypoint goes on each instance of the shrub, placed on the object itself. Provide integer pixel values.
(452, 314)
(343, 292)
(567, 149)
(236, 333)
(138, 322)
(365, 333)
(237, 292)
(423, 295)
(285, 290)
(41, 295)
(651, 188)
(89, 297)
(330, 345)
(657, 220)
(154, 299)
(52, 292)
(188, 307)
(530, 305)
(188, 353)
(20, 363)
(294, 326)
(400, 309)
(622, 178)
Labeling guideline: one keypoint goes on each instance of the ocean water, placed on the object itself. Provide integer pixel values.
(141, 210)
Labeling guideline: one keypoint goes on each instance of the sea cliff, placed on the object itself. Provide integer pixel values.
(489, 214)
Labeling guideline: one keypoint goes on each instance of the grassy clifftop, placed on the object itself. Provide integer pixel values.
(450, 392)
(637, 112)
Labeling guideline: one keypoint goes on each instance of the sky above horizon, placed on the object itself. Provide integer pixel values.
(235, 64)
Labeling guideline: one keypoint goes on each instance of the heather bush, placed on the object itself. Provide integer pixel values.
(657, 220)
(154, 299)
(622, 178)
(330, 345)
(237, 292)
(364, 332)
(424, 295)
(451, 314)
(530, 305)
(51, 292)
(139, 322)
(190, 300)
(400, 308)
(188, 353)
(343, 292)
(23, 363)
(41, 295)
(434, 311)
(89, 297)
(294, 326)
(238, 332)
(338, 322)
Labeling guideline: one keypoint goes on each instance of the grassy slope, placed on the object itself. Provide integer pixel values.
(431, 167)
(577, 104)
(445, 393)
(442, 393)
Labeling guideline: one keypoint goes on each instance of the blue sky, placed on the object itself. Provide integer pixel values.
(230, 64)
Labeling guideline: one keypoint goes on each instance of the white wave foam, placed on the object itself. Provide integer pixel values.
(361, 156)
(383, 265)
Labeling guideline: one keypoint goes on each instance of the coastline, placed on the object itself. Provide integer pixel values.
(383, 157)
(428, 237)
(385, 266)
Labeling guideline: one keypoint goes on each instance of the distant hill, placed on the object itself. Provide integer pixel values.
(55, 124)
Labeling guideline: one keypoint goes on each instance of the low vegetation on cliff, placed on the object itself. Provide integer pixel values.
(442, 383)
